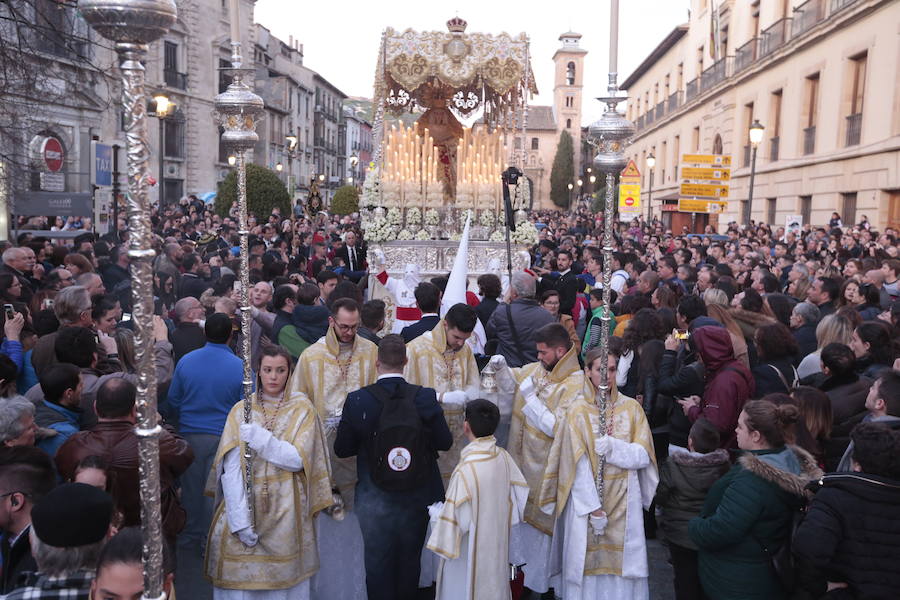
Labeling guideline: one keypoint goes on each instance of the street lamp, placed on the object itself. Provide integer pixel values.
(231, 160)
(570, 186)
(161, 107)
(279, 167)
(757, 131)
(651, 162)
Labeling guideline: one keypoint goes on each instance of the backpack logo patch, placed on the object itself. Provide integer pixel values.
(399, 459)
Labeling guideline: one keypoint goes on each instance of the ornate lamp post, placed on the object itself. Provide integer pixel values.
(651, 162)
(237, 112)
(757, 131)
(161, 107)
(609, 134)
(132, 25)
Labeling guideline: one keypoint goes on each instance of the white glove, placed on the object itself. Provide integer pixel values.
(454, 398)
(498, 361)
(603, 445)
(255, 435)
(248, 537)
(527, 389)
(434, 510)
(598, 524)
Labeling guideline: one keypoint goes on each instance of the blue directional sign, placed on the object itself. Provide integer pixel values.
(103, 164)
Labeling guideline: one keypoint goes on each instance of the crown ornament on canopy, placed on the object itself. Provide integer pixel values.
(457, 25)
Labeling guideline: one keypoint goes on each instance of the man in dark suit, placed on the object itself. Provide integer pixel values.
(353, 257)
(393, 523)
(372, 317)
(428, 299)
(26, 475)
(567, 284)
(192, 282)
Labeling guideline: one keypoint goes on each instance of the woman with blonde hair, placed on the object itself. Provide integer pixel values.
(798, 288)
(832, 329)
(720, 313)
(715, 296)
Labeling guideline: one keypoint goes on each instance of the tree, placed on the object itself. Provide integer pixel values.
(265, 191)
(345, 201)
(563, 171)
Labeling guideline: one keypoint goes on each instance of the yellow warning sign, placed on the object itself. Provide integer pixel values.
(722, 160)
(708, 174)
(629, 198)
(704, 190)
(701, 206)
(630, 172)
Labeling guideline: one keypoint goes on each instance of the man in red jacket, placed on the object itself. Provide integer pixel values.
(728, 383)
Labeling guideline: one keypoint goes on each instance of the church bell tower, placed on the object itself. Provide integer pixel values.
(568, 82)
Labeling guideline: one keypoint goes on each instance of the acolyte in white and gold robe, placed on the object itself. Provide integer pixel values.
(325, 374)
(430, 364)
(529, 444)
(485, 498)
(613, 565)
(286, 554)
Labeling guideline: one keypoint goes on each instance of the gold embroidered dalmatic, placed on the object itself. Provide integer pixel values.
(286, 553)
(430, 364)
(575, 438)
(528, 445)
(325, 375)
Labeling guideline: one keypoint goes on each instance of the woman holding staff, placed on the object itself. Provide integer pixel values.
(274, 557)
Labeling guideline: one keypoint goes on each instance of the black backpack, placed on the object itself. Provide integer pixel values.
(400, 452)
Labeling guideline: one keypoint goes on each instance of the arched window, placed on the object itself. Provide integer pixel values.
(570, 73)
(717, 144)
(568, 123)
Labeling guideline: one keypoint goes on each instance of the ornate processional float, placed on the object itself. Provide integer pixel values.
(426, 179)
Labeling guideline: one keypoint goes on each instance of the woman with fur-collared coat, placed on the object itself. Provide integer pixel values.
(747, 514)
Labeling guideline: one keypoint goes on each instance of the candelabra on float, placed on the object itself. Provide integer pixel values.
(132, 25)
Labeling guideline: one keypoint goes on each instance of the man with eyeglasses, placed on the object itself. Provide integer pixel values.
(59, 279)
(26, 475)
(339, 363)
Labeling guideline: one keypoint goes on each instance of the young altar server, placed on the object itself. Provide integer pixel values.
(486, 496)
(604, 552)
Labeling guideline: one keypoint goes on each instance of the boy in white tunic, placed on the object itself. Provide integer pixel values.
(486, 496)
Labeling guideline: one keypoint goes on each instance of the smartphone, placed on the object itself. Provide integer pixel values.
(126, 317)
(682, 334)
(10, 311)
(47, 303)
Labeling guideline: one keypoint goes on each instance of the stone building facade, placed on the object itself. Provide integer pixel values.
(819, 75)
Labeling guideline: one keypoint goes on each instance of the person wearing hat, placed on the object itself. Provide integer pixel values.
(69, 527)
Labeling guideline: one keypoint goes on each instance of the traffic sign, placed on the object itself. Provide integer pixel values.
(722, 160)
(630, 173)
(704, 190)
(103, 164)
(706, 173)
(696, 205)
(52, 154)
(629, 198)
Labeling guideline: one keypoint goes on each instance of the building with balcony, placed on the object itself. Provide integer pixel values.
(329, 137)
(286, 87)
(819, 75)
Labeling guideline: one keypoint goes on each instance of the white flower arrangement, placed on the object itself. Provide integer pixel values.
(370, 195)
(379, 230)
(486, 218)
(526, 234)
(432, 217)
(423, 235)
(394, 216)
(405, 234)
(498, 236)
(413, 216)
(501, 218)
(463, 214)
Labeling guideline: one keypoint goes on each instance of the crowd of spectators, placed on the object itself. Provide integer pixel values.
(705, 326)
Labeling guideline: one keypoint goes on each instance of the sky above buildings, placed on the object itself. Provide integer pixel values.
(340, 39)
